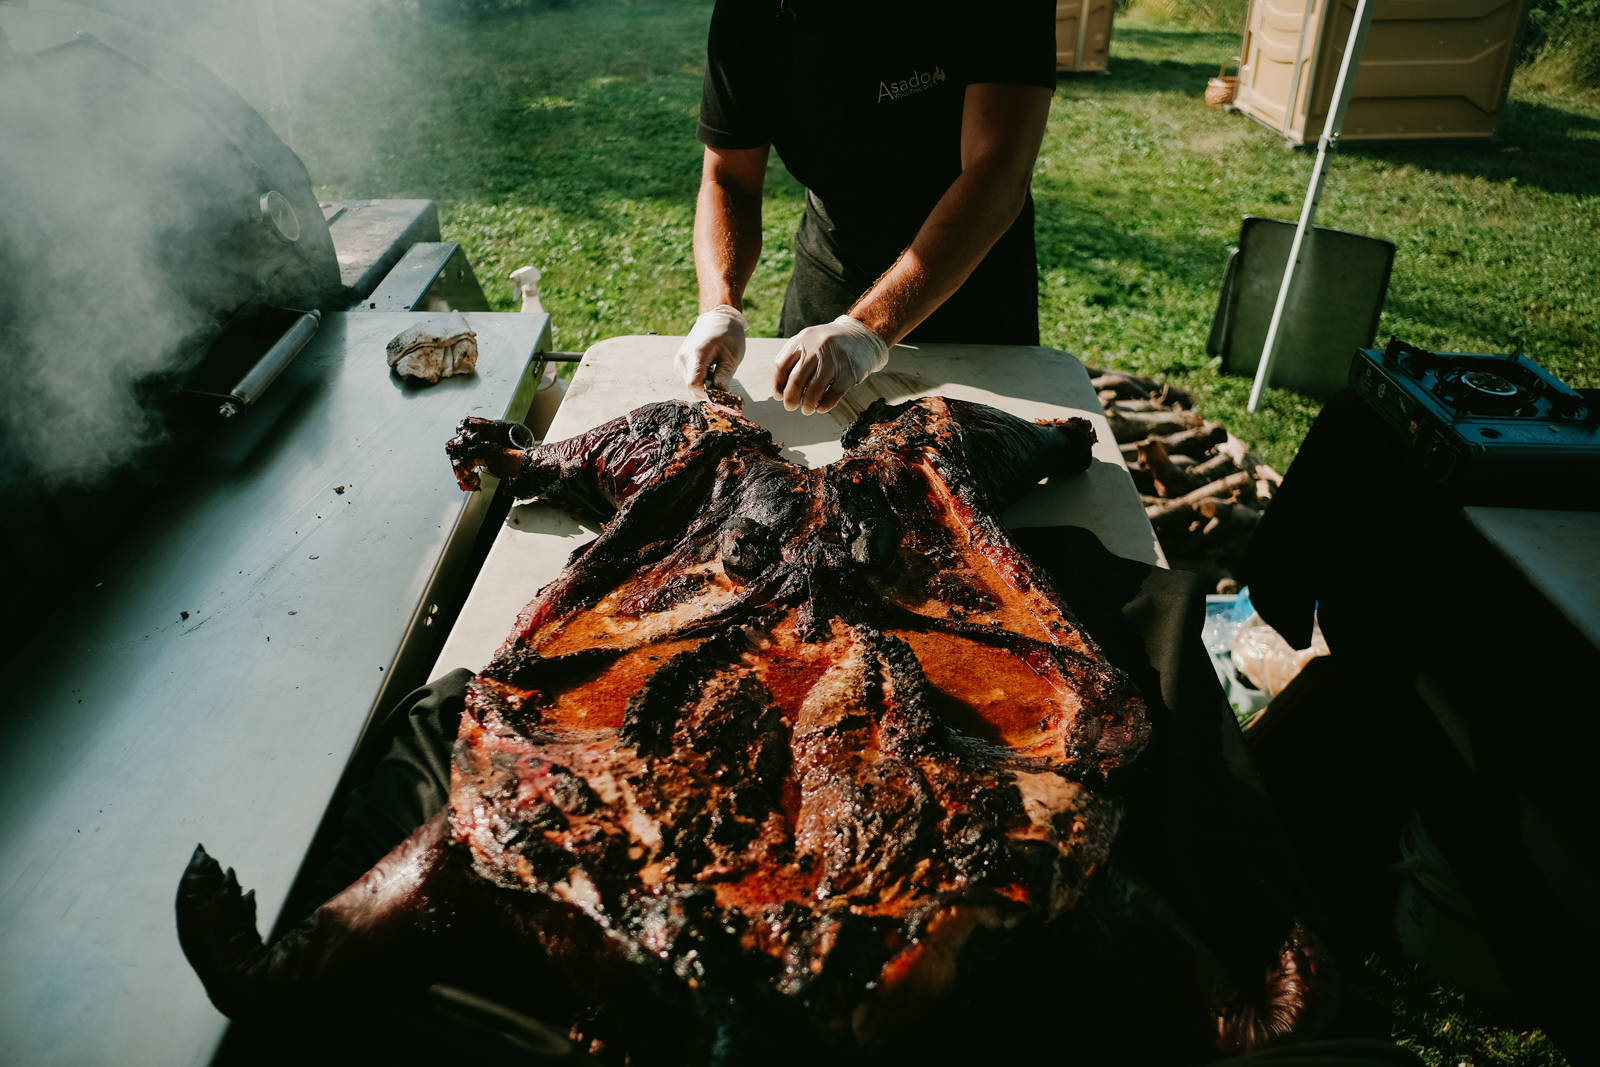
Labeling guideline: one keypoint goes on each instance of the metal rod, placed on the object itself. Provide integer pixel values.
(269, 366)
(1083, 33)
(1308, 212)
(512, 434)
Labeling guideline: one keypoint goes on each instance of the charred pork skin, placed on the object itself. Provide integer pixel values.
(766, 755)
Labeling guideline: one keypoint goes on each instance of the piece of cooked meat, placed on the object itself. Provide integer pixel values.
(833, 706)
(775, 746)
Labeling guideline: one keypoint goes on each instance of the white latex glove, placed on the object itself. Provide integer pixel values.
(822, 363)
(717, 340)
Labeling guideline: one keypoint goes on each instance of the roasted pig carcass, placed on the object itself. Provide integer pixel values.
(764, 758)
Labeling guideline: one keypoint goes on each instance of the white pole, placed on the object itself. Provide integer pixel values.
(1308, 213)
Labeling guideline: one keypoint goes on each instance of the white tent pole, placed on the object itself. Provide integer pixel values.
(1308, 213)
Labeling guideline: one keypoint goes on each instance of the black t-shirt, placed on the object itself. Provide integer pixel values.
(863, 101)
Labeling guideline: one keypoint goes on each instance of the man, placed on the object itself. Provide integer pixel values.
(914, 127)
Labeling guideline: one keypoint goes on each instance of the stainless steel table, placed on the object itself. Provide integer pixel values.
(1557, 551)
(622, 373)
(208, 681)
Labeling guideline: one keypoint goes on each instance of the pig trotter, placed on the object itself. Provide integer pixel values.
(1298, 997)
(216, 926)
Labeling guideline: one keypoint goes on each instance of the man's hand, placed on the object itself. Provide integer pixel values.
(727, 244)
(715, 346)
(822, 363)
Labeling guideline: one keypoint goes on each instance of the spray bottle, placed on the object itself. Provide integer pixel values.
(551, 389)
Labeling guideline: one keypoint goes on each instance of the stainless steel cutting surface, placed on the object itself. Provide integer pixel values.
(625, 372)
(207, 681)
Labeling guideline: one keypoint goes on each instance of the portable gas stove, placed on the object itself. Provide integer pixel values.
(1491, 428)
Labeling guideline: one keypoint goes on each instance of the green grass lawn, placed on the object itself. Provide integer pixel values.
(1387, 995)
(1142, 188)
(566, 139)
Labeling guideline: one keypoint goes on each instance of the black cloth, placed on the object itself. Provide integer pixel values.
(410, 783)
(998, 304)
(1431, 625)
(863, 101)
(1199, 830)
(1340, 1052)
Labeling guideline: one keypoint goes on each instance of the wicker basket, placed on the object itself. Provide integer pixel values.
(1219, 90)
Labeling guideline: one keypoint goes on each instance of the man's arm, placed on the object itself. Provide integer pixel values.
(1001, 129)
(727, 244)
(727, 223)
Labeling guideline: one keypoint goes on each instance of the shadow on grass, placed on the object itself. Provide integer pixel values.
(1177, 39)
(1504, 328)
(1129, 75)
(1542, 146)
(1072, 238)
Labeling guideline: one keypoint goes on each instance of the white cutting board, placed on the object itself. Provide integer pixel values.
(622, 373)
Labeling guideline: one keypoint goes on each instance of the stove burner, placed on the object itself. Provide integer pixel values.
(1492, 384)
(1495, 428)
(1470, 389)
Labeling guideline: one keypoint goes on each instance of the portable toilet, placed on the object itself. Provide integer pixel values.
(1083, 34)
(1431, 69)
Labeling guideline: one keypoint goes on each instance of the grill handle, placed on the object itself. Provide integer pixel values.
(269, 366)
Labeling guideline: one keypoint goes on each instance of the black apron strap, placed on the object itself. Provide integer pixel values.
(998, 304)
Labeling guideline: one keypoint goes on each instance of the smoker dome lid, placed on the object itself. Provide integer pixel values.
(41, 27)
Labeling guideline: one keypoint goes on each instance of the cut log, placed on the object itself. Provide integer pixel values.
(1123, 386)
(1174, 397)
(1248, 460)
(1217, 466)
(1201, 439)
(1170, 480)
(1189, 501)
(1136, 425)
(1143, 480)
(1225, 517)
(1133, 387)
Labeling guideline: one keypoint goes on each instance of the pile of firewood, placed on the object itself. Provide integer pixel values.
(1203, 489)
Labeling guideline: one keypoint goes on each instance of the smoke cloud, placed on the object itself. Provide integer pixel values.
(130, 226)
(90, 313)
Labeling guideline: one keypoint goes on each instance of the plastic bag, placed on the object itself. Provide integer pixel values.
(1224, 616)
(1264, 657)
